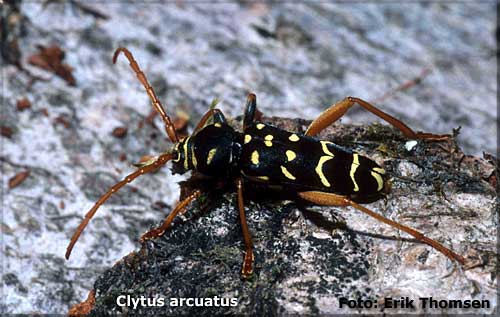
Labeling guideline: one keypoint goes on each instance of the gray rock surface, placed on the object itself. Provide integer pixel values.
(306, 260)
(298, 59)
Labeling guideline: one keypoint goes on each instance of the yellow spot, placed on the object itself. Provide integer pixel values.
(287, 173)
(248, 138)
(255, 157)
(378, 178)
(218, 125)
(354, 167)
(211, 155)
(379, 170)
(268, 139)
(324, 146)
(293, 137)
(193, 157)
(290, 155)
(262, 178)
(319, 169)
(260, 126)
(185, 148)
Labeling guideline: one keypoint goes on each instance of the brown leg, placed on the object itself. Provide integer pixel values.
(157, 232)
(204, 119)
(161, 160)
(169, 126)
(251, 113)
(328, 199)
(337, 110)
(247, 268)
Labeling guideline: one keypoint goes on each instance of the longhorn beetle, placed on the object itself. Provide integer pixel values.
(317, 171)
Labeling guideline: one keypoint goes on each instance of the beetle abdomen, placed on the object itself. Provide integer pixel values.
(303, 163)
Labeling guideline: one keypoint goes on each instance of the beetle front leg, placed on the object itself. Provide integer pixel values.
(329, 199)
(250, 108)
(247, 268)
(251, 112)
(215, 113)
(336, 111)
(180, 208)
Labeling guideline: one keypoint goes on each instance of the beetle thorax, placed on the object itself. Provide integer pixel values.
(212, 151)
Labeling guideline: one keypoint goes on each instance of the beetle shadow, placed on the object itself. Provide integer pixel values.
(215, 189)
(322, 222)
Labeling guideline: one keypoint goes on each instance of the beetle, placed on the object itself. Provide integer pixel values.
(317, 171)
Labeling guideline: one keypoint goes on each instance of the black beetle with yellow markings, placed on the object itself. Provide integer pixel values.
(317, 171)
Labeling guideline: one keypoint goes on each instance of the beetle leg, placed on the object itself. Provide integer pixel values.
(329, 199)
(215, 113)
(161, 160)
(337, 110)
(250, 108)
(247, 268)
(180, 208)
(251, 112)
(169, 126)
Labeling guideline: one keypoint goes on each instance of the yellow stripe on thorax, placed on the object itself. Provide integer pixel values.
(185, 149)
(193, 157)
(211, 155)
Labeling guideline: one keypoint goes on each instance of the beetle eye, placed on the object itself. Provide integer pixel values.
(178, 153)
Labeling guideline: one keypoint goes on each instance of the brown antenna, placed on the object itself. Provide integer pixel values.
(161, 160)
(169, 126)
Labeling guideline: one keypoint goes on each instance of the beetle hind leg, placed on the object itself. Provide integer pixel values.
(337, 110)
(329, 199)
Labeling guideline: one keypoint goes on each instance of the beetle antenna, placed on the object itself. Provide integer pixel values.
(160, 161)
(169, 126)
